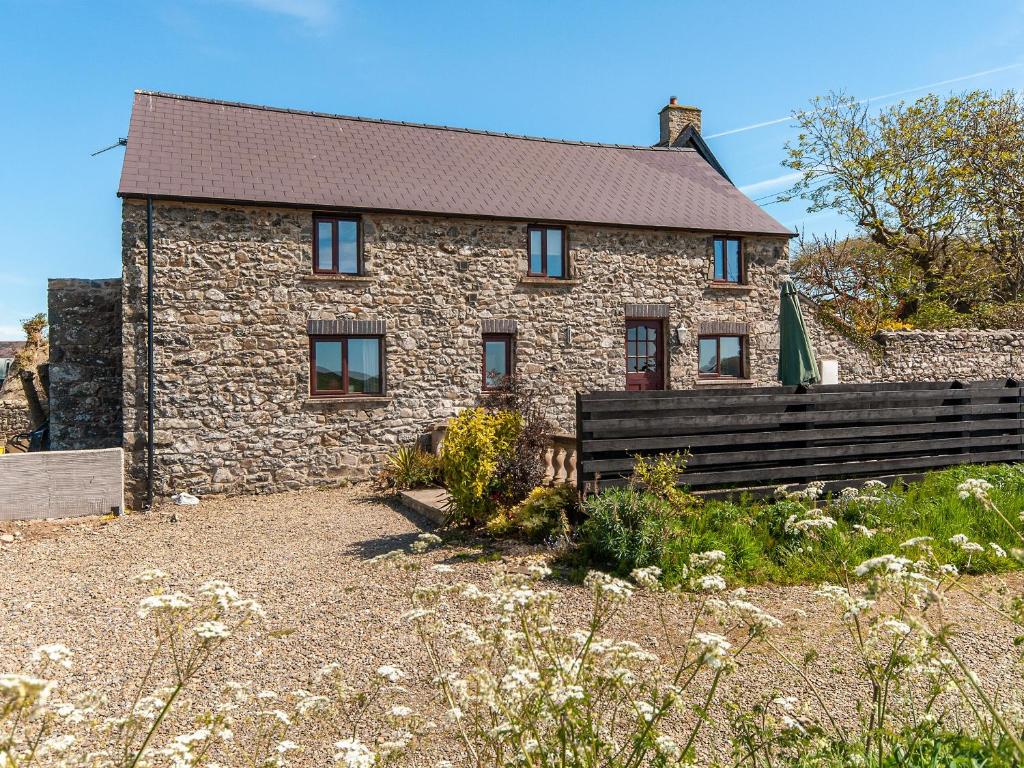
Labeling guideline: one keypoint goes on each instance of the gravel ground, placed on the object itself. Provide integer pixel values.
(304, 556)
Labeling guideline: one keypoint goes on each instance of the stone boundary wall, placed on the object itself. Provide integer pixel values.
(15, 418)
(920, 355)
(85, 363)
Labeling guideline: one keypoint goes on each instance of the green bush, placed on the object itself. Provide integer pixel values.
(476, 443)
(409, 467)
(660, 475)
(544, 514)
(625, 528)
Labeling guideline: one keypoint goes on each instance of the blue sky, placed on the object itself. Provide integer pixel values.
(581, 70)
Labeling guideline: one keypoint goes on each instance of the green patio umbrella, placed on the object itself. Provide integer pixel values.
(796, 357)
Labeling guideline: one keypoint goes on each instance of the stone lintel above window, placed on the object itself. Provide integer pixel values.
(346, 327)
(723, 328)
(495, 325)
(647, 311)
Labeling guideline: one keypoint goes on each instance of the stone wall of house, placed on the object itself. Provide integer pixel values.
(234, 292)
(85, 364)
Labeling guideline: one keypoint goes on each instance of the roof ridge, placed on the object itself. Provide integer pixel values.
(407, 124)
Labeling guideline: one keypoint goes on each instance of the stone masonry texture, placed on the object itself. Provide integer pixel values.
(85, 364)
(235, 295)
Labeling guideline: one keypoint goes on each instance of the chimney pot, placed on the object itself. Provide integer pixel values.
(673, 119)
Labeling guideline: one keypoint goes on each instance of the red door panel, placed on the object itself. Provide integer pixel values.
(645, 366)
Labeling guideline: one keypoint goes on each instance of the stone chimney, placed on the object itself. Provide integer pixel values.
(674, 117)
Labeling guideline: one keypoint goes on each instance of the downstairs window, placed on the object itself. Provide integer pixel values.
(346, 365)
(721, 356)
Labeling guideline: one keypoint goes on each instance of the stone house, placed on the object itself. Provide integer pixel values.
(325, 288)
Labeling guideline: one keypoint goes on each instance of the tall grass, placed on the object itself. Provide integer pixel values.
(760, 547)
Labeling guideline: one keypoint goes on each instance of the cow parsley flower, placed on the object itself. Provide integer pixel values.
(354, 754)
(711, 582)
(390, 673)
(150, 575)
(974, 488)
(864, 530)
(212, 630)
(885, 563)
(713, 649)
(649, 577)
(917, 541)
(53, 652)
(1000, 552)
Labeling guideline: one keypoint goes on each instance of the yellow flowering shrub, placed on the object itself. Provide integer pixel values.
(476, 440)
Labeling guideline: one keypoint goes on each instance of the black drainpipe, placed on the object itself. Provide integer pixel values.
(150, 372)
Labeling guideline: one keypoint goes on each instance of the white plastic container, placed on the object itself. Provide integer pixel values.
(829, 370)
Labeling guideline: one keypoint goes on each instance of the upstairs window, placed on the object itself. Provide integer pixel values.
(346, 365)
(546, 251)
(728, 260)
(721, 356)
(337, 245)
(497, 365)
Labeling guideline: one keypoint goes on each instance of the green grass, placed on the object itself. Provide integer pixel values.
(759, 549)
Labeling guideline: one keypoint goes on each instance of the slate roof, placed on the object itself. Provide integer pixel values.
(10, 348)
(182, 147)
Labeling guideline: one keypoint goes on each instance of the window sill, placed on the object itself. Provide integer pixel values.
(329, 278)
(349, 402)
(741, 287)
(723, 381)
(551, 282)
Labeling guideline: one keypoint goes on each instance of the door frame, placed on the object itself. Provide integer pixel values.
(661, 351)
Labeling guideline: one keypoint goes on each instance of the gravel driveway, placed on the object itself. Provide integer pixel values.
(304, 556)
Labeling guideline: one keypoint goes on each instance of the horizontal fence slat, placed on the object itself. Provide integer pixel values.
(822, 452)
(680, 442)
(677, 424)
(797, 434)
(819, 400)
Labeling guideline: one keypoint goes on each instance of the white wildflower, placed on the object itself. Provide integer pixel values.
(212, 630)
(707, 559)
(53, 652)
(424, 542)
(1000, 552)
(171, 602)
(712, 582)
(755, 616)
(649, 577)
(896, 626)
(354, 754)
(864, 530)
(645, 710)
(390, 673)
(884, 563)
(150, 575)
(713, 648)
(608, 586)
(976, 488)
(917, 541)
(401, 711)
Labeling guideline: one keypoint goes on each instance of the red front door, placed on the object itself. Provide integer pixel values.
(645, 361)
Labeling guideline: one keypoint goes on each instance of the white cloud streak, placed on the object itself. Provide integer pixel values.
(312, 13)
(769, 184)
(882, 97)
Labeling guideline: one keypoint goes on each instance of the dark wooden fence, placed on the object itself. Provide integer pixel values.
(767, 436)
